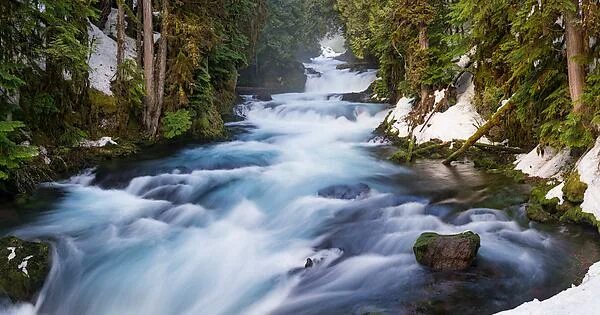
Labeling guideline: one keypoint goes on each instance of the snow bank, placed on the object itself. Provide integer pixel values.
(399, 114)
(556, 192)
(582, 299)
(458, 122)
(590, 174)
(103, 60)
(546, 164)
(104, 141)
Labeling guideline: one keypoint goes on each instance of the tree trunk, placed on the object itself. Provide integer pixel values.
(482, 131)
(425, 89)
(575, 51)
(105, 8)
(138, 39)
(120, 32)
(162, 68)
(148, 65)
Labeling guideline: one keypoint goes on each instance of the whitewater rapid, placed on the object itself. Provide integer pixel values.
(226, 228)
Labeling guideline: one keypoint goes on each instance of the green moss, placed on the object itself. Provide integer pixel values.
(574, 189)
(427, 238)
(399, 157)
(14, 282)
(102, 102)
(535, 212)
(539, 208)
(574, 214)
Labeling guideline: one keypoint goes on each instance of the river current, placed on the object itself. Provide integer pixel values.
(226, 228)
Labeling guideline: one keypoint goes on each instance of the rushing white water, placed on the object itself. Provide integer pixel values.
(227, 228)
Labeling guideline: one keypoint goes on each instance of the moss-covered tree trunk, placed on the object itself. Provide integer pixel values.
(120, 32)
(162, 68)
(425, 89)
(575, 53)
(482, 131)
(149, 100)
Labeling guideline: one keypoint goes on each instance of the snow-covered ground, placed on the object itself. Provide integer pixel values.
(546, 163)
(458, 122)
(589, 173)
(582, 299)
(578, 300)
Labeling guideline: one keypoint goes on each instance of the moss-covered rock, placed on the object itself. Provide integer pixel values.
(23, 267)
(399, 156)
(535, 212)
(574, 214)
(447, 252)
(539, 208)
(574, 189)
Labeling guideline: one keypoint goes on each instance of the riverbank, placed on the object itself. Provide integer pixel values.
(564, 184)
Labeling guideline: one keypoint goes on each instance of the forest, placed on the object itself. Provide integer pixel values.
(299, 156)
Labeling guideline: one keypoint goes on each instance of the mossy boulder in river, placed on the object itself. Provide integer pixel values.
(23, 267)
(447, 252)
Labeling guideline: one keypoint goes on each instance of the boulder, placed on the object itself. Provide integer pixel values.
(447, 252)
(347, 192)
(23, 267)
(263, 95)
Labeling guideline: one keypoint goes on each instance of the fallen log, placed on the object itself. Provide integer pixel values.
(483, 130)
(499, 148)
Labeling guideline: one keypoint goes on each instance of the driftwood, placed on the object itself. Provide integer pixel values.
(483, 130)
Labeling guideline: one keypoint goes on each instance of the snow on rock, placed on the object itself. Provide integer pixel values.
(458, 122)
(399, 114)
(545, 164)
(103, 60)
(589, 173)
(556, 192)
(578, 300)
(104, 141)
(12, 254)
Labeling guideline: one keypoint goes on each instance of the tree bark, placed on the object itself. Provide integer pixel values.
(483, 130)
(148, 64)
(105, 8)
(120, 32)
(138, 40)
(425, 89)
(575, 51)
(162, 67)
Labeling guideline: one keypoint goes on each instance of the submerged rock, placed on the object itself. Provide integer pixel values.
(309, 263)
(347, 192)
(447, 252)
(23, 267)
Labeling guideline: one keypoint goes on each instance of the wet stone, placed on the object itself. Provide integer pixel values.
(23, 267)
(347, 192)
(447, 252)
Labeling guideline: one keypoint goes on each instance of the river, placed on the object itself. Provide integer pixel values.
(226, 228)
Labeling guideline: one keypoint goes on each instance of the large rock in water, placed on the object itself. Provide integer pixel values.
(345, 191)
(23, 267)
(447, 252)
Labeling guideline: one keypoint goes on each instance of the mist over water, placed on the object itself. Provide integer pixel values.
(226, 228)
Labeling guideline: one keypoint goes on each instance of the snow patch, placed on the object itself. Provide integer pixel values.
(103, 60)
(546, 163)
(577, 300)
(104, 141)
(556, 192)
(589, 173)
(459, 122)
(23, 265)
(12, 254)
